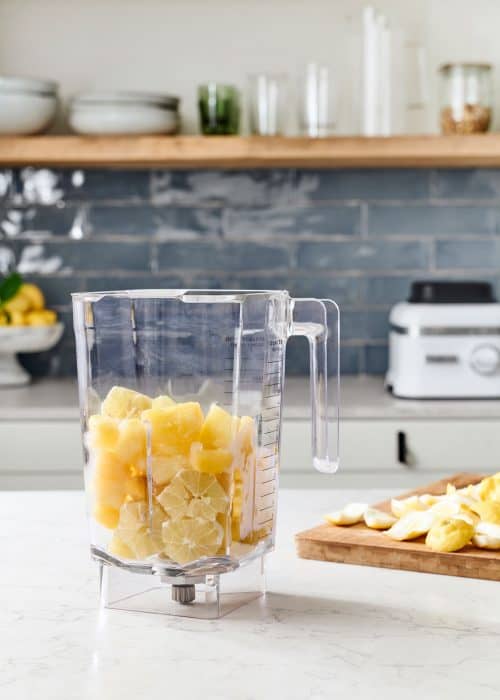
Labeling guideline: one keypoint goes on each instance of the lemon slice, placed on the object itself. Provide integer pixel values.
(378, 519)
(208, 496)
(194, 494)
(188, 539)
(351, 514)
(174, 499)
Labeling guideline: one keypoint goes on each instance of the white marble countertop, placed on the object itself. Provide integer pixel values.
(324, 630)
(361, 398)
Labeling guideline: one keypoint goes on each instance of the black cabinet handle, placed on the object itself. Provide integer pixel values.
(402, 448)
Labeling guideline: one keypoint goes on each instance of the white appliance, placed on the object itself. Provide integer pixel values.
(444, 342)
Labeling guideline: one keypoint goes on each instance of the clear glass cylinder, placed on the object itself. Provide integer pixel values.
(466, 98)
(267, 104)
(181, 398)
(316, 115)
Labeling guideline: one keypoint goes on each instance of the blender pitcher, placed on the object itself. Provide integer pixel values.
(181, 401)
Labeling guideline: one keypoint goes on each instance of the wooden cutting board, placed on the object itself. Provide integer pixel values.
(357, 544)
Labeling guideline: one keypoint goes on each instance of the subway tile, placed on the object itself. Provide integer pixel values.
(241, 281)
(227, 256)
(159, 221)
(57, 290)
(468, 254)
(36, 222)
(431, 220)
(481, 183)
(7, 184)
(385, 290)
(318, 220)
(245, 188)
(56, 363)
(326, 185)
(49, 257)
(376, 359)
(369, 255)
(79, 185)
(343, 290)
(364, 325)
(132, 281)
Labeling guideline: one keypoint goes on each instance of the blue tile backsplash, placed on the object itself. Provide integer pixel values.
(360, 237)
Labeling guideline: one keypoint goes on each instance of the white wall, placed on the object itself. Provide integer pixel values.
(173, 45)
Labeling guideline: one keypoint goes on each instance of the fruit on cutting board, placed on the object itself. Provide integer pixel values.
(23, 304)
(200, 495)
(470, 515)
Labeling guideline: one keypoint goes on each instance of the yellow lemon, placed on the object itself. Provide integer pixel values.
(34, 295)
(188, 539)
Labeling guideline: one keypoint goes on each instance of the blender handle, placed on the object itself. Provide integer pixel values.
(319, 321)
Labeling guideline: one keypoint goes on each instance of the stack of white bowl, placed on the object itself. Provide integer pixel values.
(121, 113)
(27, 105)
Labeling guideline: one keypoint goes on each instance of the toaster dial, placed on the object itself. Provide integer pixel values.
(485, 359)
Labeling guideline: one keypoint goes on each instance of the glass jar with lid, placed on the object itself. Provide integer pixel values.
(466, 98)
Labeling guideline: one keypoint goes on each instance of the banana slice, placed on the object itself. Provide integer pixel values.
(351, 514)
(412, 525)
(378, 520)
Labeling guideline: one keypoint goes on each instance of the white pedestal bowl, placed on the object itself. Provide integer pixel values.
(23, 339)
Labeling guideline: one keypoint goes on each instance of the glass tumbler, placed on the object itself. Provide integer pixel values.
(466, 98)
(267, 104)
(317, 102)
(181, 401)
(219, 108)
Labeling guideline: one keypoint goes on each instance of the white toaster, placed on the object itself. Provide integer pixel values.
(444, 342)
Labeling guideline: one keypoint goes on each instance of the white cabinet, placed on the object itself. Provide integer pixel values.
(40, 454)
(403, 453)
(399, 452)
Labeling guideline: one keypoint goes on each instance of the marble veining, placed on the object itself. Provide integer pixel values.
(323, 631)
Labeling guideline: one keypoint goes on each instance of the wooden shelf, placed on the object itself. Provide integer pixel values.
(252, 152)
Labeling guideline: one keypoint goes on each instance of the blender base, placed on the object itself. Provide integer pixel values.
(205, 597)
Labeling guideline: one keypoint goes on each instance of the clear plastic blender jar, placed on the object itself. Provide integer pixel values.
(181, 403)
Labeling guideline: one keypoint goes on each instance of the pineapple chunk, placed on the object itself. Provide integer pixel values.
(218, 429)
(214, 461)
(165, 467)
(174, 429)
(131, 444)
(245, 438)
(103, 432)
(106, 515)
(109, 481)
(124, 403)
(118, 547)
(163, 402)
(136, 488)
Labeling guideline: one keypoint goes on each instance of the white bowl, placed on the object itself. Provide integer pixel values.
(122, 120)
(27, 105)
(23, 339)
(121, 113)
